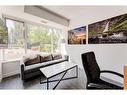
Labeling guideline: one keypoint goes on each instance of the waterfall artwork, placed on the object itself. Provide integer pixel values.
(112, 30)
(77, 35)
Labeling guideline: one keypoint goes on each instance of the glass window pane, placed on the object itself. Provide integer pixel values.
(13, 53)
(39, 39)
(3, 34)
(15, 40)
(56, 35)
(15, 32)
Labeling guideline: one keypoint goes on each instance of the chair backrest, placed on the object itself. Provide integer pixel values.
(91, 67)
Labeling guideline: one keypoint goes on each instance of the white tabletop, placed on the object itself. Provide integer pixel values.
(52, 70)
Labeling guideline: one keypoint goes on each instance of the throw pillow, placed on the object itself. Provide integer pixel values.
(45, 58)
(31, 59)
(56, 56)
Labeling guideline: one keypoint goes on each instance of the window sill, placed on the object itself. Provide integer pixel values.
(13, 60)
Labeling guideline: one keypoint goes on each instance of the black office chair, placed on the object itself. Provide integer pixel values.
(93, 73)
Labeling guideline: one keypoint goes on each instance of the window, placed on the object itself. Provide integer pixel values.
(28, 38)
(42, 39)
(15, 40)
(3, 34)
(39, 39)
(56, 35)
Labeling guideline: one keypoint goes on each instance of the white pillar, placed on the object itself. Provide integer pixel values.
(0, 71)
(1, 59)
(63, 49)
(0, 56)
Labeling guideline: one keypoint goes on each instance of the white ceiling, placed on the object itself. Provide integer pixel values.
(83, 15)
(67, 11)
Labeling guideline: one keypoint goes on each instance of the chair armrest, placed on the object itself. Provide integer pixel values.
(112, 72)
(94, 85)
(97, 86)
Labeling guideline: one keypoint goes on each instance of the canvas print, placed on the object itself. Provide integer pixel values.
(77, 36)
(113, 30)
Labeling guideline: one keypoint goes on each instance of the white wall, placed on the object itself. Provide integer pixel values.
(10, 68)
(90, 14)
(109, 56)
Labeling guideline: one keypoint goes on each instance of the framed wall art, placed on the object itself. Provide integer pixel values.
(77, 35)
(112, 30)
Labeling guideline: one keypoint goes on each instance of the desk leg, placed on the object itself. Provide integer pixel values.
(47, 83)
(77, 71)
(60, 79)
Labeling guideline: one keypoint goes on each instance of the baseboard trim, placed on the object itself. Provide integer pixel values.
(11, 74)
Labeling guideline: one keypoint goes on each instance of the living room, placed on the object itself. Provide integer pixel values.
(45, 30)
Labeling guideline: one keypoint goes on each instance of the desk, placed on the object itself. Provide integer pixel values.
(54, 70)
(125, 77)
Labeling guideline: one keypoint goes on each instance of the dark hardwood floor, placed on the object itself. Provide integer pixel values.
(15, 82)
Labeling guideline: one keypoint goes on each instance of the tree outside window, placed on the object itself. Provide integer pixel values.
(42, 39)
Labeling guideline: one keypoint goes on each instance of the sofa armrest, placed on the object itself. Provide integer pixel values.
(22, 62)
(22, 71)
(66, 57)
(22, 68)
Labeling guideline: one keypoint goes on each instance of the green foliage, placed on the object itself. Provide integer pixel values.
(117, 24)
(3, 33)
(96, 28)
(38, 34)
(45, 47)
(15, 32)
(43, 36)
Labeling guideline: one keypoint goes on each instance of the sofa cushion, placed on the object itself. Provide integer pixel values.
(32, 66)
(45, 57)
(31, 59)
(52, 62)
(56, 56)
(43, 64)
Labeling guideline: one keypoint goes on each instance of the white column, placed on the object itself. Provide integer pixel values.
(0, 71)
(0, 55)
(1, 58)
(63, 49)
